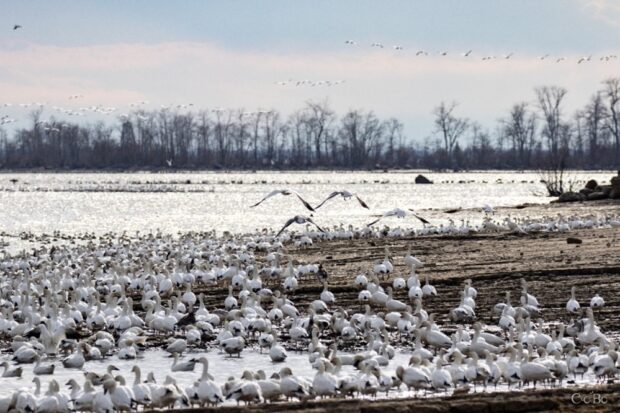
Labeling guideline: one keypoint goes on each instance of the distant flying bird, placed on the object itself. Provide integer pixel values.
(284, 192)
(376, 45)
(559, 59)
(169, 162)
(466, 54)
(398, 47)
(351, 42)
(543, 57)
(299, 219)
(397, 212)
(584, 59)
(17, 26)
(346, 195)
(509, 55)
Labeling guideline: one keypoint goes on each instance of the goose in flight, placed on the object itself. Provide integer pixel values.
(466, 54)
(285, 192)
(17, 26)
(398, 47)
(299, 219)
(399, 213)
(351, 42)
(169, 162)
(346, 195)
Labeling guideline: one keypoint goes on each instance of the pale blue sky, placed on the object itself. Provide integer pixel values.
(229, 53)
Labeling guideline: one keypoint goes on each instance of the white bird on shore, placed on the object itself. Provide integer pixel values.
(597, 301)
(572, 306)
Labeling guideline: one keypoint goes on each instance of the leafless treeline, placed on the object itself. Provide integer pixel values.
(532, 135)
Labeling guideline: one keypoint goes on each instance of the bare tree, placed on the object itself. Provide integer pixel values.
(550, 101)
(450, 127)
(612, 93)
(520, 128)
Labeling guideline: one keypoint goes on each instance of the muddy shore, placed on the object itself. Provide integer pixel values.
(495, 263)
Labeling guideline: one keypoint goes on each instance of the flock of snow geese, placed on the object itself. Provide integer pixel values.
(112, 298)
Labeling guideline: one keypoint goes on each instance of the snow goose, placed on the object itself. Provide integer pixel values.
(270, 388)
(122, 397)
(440, 377)
(182, 365)
(346, 195)
(292, 386)
(597, 301)
(9, 372)
(392, 304)
(532, 371)
(82, 401)
(285, 192)
(207, 391)
(413, 376)
(411, 261)
(41, 370)
(324, 384)
(572, 306)
(141, 391)
(277, 352)
(327, 296)
(428, 289)
(233, 345)
(75, 360)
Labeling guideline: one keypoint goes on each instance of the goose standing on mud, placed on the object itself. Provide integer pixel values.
(572, 306)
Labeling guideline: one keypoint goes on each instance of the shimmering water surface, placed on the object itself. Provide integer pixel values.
(172, 202)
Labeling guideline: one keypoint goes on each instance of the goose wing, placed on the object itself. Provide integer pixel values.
(314, 223)
(362, 203)
(303, 201)
(419, 217)
(333, 194)
(286, 225)
(269, 195)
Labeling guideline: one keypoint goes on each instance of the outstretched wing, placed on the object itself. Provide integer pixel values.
(288, 223)
(314, 223)
(419, 217)
(306, 204)
(375, 221)
(362, 203)
(333, 194)
(269, 195)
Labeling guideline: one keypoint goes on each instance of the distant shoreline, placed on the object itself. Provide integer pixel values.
(251, 171)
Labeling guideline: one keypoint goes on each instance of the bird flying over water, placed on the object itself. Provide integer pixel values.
(299, 219)
(346, 195)
(285, 192)
(17, 26)
(399, 213)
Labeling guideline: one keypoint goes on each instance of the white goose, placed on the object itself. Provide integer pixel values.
(572, 306)
(206, 390)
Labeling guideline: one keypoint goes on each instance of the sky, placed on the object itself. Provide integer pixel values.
(233, 53)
